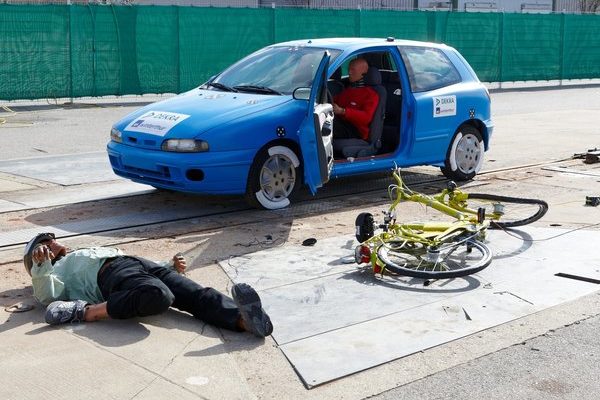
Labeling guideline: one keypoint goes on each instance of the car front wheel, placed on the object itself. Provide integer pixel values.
(465, 154)
(274, 177)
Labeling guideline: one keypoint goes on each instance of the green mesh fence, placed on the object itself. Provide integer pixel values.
(210, 39)
(581, 47)
(34, 52)
(399, 24)
(477, 37)
(73, 51)
(531, 48)
(291, 24)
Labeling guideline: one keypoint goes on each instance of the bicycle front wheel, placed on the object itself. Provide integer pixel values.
(516, 211)
(449, 260)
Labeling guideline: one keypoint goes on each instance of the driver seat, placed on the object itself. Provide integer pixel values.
(359, 147)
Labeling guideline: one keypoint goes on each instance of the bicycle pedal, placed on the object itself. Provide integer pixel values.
(480, 215)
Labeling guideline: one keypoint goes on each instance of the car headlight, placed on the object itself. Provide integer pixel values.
(185, 145)
(115, 135)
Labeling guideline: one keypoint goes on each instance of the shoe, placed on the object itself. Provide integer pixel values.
(255, 319)
(61, 312)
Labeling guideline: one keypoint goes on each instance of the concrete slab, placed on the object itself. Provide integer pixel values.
(9, 185)
(172, 355)
(351, 349)
(71, 169)
(63, 354)
(56, 196)
(6, 206)
(332, 318)
(594, 172)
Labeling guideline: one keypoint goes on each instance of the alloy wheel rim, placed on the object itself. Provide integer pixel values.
(277, 177)
(468, 153)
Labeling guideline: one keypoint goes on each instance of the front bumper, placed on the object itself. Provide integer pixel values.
(207, 173)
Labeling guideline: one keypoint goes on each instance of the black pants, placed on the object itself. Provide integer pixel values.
(344, 129)
(136, 287)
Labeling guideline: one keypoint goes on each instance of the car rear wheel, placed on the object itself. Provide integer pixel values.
(274, 178)
(465, 154)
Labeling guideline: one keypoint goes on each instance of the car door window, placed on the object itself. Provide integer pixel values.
(428, 68)
(383, 60)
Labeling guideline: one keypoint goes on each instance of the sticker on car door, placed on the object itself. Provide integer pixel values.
(444, 106)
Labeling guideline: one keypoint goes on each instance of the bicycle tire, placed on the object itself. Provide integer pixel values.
(533, 209)
(364, 227)
(410, 259)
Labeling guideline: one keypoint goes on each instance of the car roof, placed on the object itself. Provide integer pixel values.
(351, 44)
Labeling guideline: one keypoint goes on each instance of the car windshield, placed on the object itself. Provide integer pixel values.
(273, 70)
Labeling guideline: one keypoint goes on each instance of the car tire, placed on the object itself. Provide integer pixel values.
(464, 157)
(274, 178)
(364, 227)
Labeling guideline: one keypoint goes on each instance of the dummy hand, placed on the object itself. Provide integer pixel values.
(42, 253)
(179, 263)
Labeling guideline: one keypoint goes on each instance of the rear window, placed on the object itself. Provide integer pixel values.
(428, 68)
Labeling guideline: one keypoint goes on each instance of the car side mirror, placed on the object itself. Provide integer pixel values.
(301, 93)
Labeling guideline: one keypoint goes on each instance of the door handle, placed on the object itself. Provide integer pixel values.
(326, 129)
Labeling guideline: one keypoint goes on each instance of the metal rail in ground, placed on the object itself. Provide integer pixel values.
(336, 189)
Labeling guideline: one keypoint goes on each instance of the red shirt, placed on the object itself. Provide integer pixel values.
(360, 104)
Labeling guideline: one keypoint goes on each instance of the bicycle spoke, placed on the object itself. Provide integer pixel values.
(458, 258)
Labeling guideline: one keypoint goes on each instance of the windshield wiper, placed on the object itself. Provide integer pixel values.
(259, 89)
(221, 86)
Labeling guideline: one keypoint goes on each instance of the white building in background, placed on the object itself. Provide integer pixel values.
(530, 6)
(489, 5)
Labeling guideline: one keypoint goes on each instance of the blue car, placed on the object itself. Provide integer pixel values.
(264, 126)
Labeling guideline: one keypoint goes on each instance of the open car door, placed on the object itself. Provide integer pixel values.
(316, 131)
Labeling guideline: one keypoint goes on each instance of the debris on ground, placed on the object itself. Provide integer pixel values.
(19, 308)
(592, 156)
(309, 242)
(592, 201)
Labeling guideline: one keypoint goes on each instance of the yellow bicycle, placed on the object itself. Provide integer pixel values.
(438, 250)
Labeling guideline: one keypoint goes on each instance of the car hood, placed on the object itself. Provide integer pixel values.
(193, 113)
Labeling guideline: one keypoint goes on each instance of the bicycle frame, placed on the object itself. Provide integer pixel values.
(452, 202)
(433, 235)
(440, 250)
(433, 232)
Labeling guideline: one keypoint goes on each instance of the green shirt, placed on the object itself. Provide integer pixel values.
(73, 277)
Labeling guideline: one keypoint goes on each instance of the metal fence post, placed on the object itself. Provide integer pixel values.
(358, 20)
(70, 53)
(94, 50)
(501, 50)
(178, 51)
(561, 55)
(274, 24)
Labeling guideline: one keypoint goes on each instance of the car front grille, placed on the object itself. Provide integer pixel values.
(161, 176)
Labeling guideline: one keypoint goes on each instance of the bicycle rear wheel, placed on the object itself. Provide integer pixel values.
(450, 260)
(517, 211)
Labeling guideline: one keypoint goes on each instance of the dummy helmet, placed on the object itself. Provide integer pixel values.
(30, 247)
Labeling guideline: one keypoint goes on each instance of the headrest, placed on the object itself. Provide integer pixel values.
(389, 76)
(337, 75)
(373, 77)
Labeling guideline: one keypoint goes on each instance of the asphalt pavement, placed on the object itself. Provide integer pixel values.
(552, 354)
